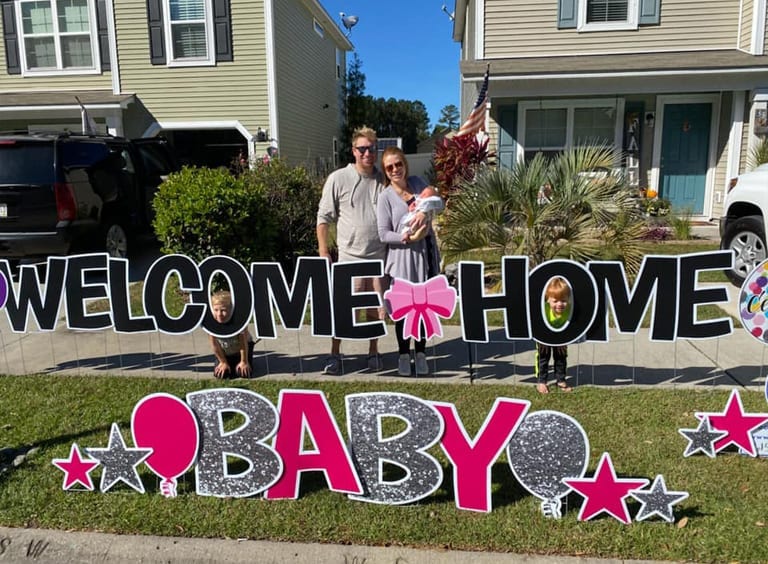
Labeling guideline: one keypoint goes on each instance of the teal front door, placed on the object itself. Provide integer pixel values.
(684, 156)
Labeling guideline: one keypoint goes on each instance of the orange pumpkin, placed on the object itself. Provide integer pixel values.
(651, 192)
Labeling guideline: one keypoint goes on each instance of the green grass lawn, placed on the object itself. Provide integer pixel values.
(724, 518)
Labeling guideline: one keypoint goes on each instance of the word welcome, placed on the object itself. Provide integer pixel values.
(667, 285)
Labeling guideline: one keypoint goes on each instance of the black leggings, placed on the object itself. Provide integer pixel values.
(404, 345)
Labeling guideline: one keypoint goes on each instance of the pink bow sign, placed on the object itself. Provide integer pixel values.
(421, 303)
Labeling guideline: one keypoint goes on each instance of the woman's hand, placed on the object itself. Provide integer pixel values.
(418, 221)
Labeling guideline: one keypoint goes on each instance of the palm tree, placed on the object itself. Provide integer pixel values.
(575, 205)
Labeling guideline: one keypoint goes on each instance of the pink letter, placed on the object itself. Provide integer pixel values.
(306, 410)
(472, 458)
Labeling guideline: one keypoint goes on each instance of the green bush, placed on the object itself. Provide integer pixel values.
(202, 212)
(292, 195)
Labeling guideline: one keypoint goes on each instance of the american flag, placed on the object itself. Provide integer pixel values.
(476, 119)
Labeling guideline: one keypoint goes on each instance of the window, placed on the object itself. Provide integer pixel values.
(607, 15)
(555, 125)
(57, 35)
(189, 32)
(318, 28)
(599, 15)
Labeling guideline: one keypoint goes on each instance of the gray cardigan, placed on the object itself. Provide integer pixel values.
(408, 262)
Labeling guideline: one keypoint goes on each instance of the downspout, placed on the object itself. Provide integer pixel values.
(269, 35)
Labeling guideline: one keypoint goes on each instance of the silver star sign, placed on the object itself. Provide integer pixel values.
(657, 500)
(702, 438)
(119, 462)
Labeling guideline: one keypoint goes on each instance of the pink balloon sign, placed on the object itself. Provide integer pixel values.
(169, 427)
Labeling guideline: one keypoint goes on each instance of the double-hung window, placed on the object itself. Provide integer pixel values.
(57, 36)
(598, 15)
(553, 126)
(189, 32)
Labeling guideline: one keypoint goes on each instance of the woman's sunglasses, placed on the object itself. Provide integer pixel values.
(393, 166)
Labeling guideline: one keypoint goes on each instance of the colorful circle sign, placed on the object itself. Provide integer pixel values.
(753, 303)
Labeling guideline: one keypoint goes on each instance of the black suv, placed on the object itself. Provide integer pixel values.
(62, 192)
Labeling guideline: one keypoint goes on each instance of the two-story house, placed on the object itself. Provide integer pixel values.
(217, 77)
(680, 85)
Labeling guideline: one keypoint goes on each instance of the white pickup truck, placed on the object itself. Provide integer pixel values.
(742, 226)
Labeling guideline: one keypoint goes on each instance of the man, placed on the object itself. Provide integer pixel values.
(349, 200)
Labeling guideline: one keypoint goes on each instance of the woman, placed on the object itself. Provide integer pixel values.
(410, 256)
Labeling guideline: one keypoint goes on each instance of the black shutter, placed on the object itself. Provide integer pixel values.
(567, 13)
(156, 35)
(103, 33)
(10, 38)
(222, 30)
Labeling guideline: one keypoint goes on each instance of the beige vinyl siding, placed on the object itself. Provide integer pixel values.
(524, 29)
(747, 13)
(306, 81)
(234, 90)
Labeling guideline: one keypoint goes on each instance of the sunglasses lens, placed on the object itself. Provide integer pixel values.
(365, 149)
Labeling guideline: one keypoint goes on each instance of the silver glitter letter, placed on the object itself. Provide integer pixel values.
(247, 442)
(371, 450)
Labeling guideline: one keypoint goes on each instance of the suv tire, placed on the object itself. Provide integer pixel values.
(746, 238)
(115, 240)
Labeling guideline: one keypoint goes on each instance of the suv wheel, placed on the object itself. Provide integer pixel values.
(116, 241)
(746, 238)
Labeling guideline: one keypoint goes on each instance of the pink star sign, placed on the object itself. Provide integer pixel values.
(605, 492)
(737, 424)
(76, 469)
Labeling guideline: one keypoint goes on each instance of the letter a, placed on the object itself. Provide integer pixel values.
(307, 410)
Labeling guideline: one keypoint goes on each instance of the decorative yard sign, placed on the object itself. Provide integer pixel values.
(666, 284)
(548, 451)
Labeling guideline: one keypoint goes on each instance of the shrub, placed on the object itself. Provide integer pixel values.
(457, 160)
(202, 212)
(292, 196)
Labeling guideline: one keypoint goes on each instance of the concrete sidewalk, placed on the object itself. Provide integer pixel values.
(48, 546)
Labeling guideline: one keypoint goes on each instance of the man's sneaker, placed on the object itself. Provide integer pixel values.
(332, 365)
(375, 362)
(404, 365)
(421, 364)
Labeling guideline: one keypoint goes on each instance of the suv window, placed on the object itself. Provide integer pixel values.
(23, 163)
(82, 155)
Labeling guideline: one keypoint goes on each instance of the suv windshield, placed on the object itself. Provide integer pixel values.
(26, 163)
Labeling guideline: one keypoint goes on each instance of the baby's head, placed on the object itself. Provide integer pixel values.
(221, 306)
(558, 295)
(428, 192)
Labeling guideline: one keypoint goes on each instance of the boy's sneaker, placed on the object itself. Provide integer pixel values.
(332, 365)
(421, 364)
(375, 362)
(404, 365)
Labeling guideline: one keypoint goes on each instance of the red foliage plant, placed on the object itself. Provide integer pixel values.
(457, 159)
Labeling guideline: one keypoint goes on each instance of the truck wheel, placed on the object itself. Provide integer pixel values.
(115, 240)
(746, 238)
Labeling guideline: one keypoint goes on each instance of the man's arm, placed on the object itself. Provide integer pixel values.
(322, 240)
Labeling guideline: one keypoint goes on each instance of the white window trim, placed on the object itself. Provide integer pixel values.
(59, 71)
(317, 26)
(570, 106)
(631, 23)
(208, 61)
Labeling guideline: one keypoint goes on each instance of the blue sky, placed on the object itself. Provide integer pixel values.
(406, 49)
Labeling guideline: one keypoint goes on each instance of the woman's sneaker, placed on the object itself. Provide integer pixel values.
(404, 365)
(421, 364)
